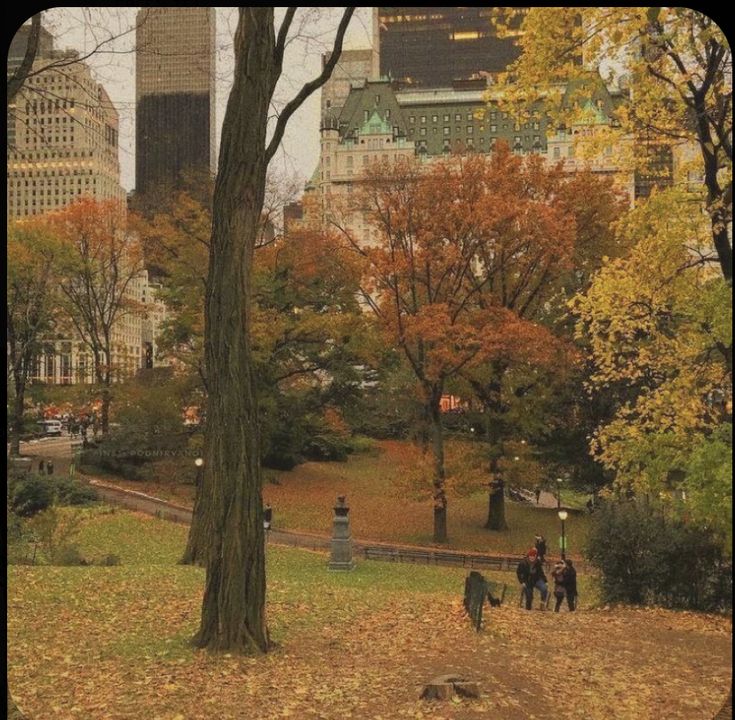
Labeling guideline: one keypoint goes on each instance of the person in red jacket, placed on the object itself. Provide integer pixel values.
(530, 573)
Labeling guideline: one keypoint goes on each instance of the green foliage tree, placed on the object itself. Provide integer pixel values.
(32, 308)
(677, 63)
(659, 327)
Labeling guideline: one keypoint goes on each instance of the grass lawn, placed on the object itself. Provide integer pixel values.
(388, 497)
(112, 642)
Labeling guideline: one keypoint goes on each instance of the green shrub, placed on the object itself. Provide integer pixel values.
(647, 556)
(53, 533)
(362, 444)
(327, 446)
(68, 556)
(31, 495)
(71, 492)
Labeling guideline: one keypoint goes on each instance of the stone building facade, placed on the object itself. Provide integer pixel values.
(62, 138)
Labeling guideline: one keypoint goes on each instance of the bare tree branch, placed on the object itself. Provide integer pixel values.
(19, 76)
(309, 87)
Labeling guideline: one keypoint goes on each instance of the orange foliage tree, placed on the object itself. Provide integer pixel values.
(469, 252)
(552, 234)
(98, 262)
(423, 282)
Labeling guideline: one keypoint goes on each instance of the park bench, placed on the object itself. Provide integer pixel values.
(449, 558)
(490, 563)
(414, 555)
(373, 552)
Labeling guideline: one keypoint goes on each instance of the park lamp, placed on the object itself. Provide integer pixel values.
(563, 515)
(199, 462)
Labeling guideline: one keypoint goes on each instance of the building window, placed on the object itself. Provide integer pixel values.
(434, 118)
(446, 131)
(412, 120)
(422, 131)
(493, 128)
(458, 117)
(446, 118)
(470, 129)
(423, 119)
(556, 153)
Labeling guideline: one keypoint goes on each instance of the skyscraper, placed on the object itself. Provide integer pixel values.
(175, 95)
(62, 133)
(432, 46)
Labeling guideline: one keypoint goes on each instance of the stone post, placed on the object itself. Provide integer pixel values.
(341, 539)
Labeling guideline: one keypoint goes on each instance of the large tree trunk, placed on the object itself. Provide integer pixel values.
(105, 415)
(233, 608)
(492, 401)
(717, 203)
(496, 500)
(18, 407)
(196, 544)
(439, 495)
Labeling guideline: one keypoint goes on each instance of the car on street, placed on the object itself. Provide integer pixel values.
(51, 428)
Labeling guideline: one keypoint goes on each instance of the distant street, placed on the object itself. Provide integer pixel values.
(56, 449)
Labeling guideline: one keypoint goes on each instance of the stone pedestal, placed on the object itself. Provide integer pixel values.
(341, 558)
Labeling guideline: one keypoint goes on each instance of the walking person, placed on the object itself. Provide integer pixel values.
(559, 576)
(540, 546)
(570, 584)
(530, 573)
(537, 493)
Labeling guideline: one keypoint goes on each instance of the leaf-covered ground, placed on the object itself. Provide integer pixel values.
(383, 489)
(111, 642)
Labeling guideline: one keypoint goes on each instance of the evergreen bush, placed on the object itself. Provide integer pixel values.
(648, 555)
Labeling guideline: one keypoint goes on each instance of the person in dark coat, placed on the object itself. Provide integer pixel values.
(537, 493)
(530, 573)
(570, 584)
(541, 547)
(558, 574)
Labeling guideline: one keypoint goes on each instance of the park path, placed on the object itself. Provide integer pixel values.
(59, 450)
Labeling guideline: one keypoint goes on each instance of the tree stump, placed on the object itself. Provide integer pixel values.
(444, 687)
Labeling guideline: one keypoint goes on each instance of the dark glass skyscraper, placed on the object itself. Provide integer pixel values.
(432, 46)
(175, 95)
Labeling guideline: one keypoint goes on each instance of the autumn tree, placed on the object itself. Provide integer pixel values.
(678, 66)
(98, 263)
(527, 247)
(659, 325)
(233, 607)
(32, 307)
(422, 282)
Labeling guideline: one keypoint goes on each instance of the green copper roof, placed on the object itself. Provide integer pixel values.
(375, 125)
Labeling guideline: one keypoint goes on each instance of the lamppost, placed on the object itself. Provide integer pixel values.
(563, 516)
(559, 481)
(199, 462)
